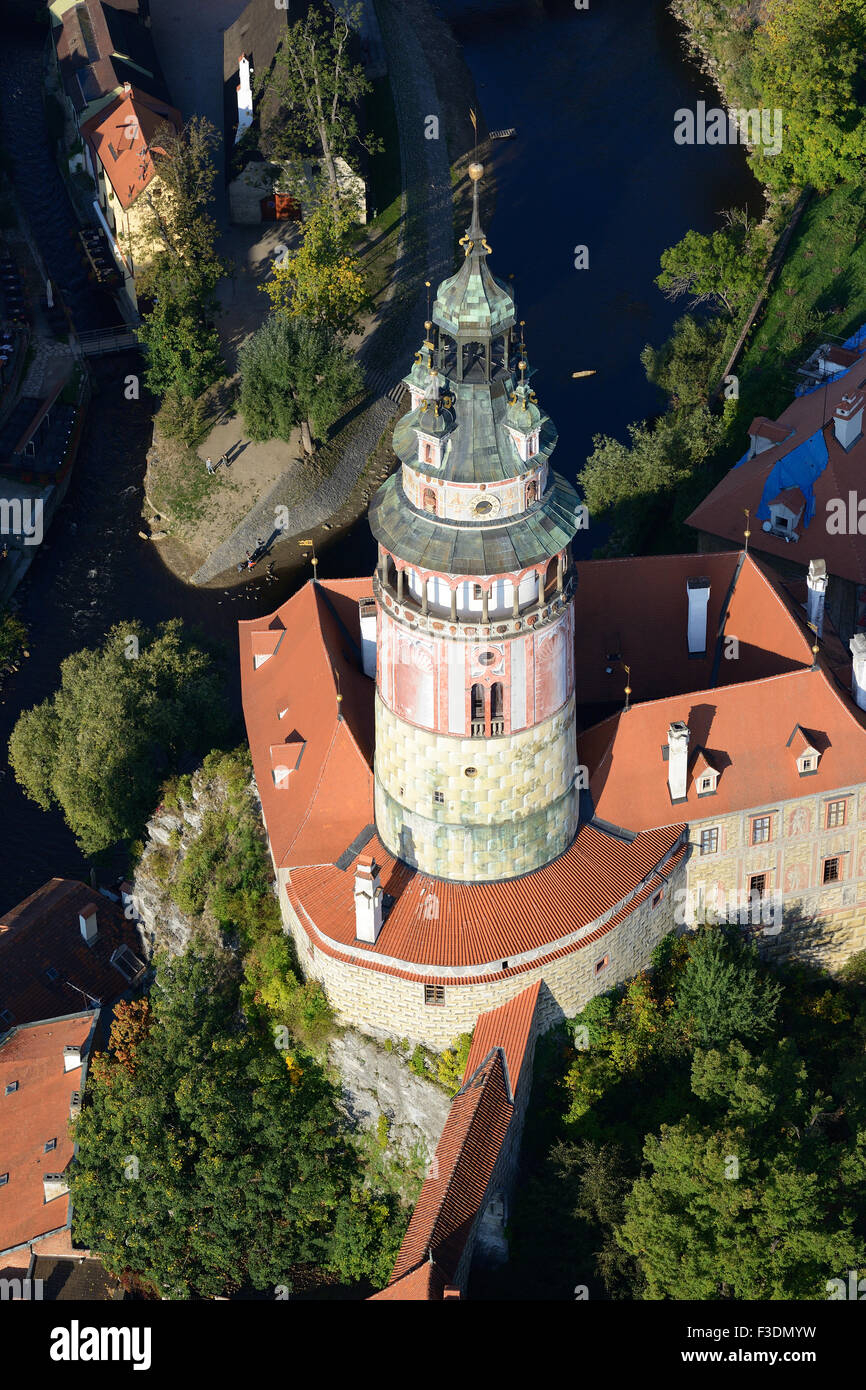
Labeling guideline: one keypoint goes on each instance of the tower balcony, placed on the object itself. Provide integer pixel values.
(466, 627)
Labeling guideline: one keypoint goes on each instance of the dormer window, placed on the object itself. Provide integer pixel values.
(802, 744)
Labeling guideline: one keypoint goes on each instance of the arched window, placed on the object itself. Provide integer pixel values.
(477, 726)
(497, 709)
(550, 578)
(531, 492)
(429, 500)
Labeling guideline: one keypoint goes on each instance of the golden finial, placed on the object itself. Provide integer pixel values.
(747, 532)
(627, 670)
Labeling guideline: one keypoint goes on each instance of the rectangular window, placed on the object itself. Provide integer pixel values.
(11, 1087)
(757, 885)
(4, 1178)
(434, 994)
(836, 811)
(657, 897)
(49, 1145)
(602, 964)
(51, 974)
(831, 871)
(477, 591)
(439, 798)
(760, 830)
(710, 840)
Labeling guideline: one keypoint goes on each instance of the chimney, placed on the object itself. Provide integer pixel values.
(698, 591)
(678, 760)
(816, 590)
(848, 420)
(54, 1185)
(88, 924)
(71, 1058)
(368, 900)
(367, 609)
(858, 670)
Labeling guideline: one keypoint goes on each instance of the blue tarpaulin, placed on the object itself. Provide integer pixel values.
(799, 469)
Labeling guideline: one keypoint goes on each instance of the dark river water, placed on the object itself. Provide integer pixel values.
(592, 95)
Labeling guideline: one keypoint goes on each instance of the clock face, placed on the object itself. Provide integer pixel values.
(485, 505)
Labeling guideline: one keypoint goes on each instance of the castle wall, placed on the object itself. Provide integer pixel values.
(386, 1006)
(509, 803)
(822, 923)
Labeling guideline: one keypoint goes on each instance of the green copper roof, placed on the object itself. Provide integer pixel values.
(480, 448)
(501, 546)
(473, 303)
(523, 413)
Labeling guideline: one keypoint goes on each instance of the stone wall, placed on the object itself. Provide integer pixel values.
(509, 803)
(385, 1006)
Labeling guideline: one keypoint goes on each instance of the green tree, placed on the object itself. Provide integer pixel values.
(321, 282)
(295, 374)
(184, 356)
(212, 1164)
(723, 269)
(723, 991)
(320, 88)
(451, 1064)
(123, 716)
(714, 1218)
(688, 364)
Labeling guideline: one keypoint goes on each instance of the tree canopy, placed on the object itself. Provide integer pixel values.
(123, 717)
(295, 374)
(321, 281)
(209, 1159)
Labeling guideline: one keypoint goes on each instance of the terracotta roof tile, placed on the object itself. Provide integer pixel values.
(121, 136)
(43, 934)
(508, 1027)
(424, 1284)
(34, 1114)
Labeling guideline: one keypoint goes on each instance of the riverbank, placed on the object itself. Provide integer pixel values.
(412, 240)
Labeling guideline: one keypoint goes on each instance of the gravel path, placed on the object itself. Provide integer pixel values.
(425, 252)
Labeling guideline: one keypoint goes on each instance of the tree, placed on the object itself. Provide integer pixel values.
(295, 373)
(213, 1165)
(320, 87)
(723, 992)
(687, 365)
(320, 281)
(714, 1218)
(123, 716)
(183, 347)
(723, 269)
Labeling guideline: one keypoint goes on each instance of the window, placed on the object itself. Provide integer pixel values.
(4, 1178)
(50, 1144)
(807, 764)
(707, 783)
(831, 871)
(439, 798)
(477, 711)
(51, 974)
(429, 500)
(487, 658)
(757, 885)
(470, 772)
(497, 703)
(505, 965)
(760, 830)
(127, 963)
(602, 964)
(836, 811)
(657, 897)
(11, 1087)
(434, 994)
(710, 841)
(477, 591)
(531, 493)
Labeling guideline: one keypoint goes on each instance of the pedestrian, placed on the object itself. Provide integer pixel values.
(222, 460)
(208, 465)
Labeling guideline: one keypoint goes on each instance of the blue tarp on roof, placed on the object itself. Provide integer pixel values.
(746, 455)
(856, 339)
(799, 469)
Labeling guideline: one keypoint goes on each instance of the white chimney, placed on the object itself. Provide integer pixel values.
(368, 900)
(245, 97)
(848, 420)
(816, 590)
(858, 670)
(71, 1058)
(698, 591)
(678, 760)
(88, 924)
(54, 1185)
(367, 608)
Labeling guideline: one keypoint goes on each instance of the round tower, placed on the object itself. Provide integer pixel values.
(476, 764)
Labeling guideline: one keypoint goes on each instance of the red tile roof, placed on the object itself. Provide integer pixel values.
(721, 512)
(328, 799)
(424, 1284)
(32, 1115)
(121, 136)
(508, 1027)
(466, 1155)
(43, 933)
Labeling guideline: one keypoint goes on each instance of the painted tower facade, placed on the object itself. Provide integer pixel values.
(476, 763)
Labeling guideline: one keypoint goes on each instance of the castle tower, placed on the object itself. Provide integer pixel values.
(476, 764)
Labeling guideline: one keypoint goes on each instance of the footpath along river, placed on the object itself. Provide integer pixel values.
(592, 94)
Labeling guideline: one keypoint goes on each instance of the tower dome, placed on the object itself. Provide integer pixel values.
(475, 760)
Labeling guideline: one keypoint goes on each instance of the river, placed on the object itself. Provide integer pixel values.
(592, 95)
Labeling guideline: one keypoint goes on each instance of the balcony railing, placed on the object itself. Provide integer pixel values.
(469, 627)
